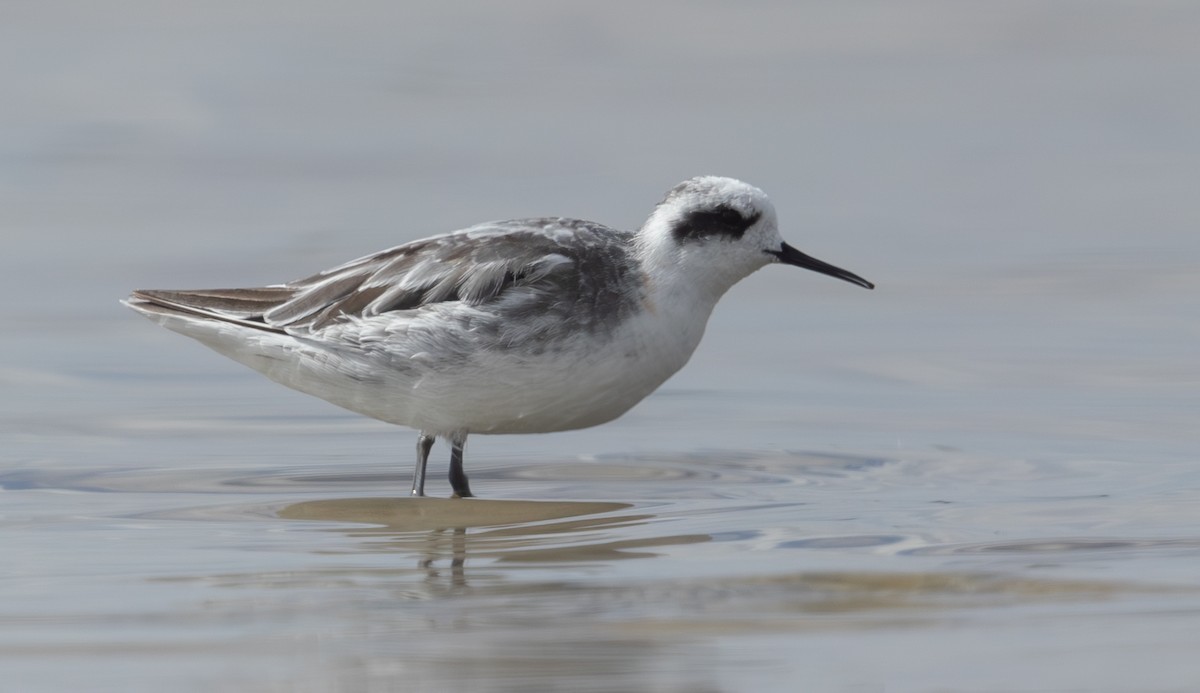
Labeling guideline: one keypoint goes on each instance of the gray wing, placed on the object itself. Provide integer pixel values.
(552, 262)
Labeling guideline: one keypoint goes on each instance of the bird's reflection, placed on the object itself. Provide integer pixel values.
(455, 547)
(517, 532)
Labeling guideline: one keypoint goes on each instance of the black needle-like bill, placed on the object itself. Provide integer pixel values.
(789, 255)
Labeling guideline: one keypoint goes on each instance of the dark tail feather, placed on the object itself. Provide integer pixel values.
(241, 306)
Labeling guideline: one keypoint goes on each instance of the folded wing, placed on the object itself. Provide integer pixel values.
(475, 266)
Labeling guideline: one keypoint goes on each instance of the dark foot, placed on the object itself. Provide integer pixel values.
(458, 478)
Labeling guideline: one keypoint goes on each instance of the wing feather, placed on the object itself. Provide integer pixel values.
(543, 258)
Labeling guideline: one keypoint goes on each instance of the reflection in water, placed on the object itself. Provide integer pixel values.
(421, 514)
(555, 634)
(538, 616)
(436, 529)
(369, 593)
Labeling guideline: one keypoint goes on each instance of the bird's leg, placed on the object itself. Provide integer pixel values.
(458, 478)
(424, 445)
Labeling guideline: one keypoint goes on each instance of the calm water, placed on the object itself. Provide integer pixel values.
(983, 476)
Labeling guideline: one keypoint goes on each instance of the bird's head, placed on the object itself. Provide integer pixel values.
(716, 231)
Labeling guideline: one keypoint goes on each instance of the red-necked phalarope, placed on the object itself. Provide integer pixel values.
(524, 326)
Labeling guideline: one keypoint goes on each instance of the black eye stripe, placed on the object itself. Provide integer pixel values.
(718, 221)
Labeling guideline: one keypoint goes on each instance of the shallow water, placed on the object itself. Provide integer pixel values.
(982, 476)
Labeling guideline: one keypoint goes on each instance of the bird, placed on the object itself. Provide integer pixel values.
(520, 326)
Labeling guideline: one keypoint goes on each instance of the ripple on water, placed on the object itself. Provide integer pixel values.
(847, 542)
(711, 469)
(1043, 546)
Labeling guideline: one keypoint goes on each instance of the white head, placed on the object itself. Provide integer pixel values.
(715, 231)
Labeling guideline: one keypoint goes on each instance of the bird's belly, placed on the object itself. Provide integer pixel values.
(568, 385)
(509, 393)
(572, 384)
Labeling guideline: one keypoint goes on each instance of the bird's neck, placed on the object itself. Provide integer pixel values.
(675, 277)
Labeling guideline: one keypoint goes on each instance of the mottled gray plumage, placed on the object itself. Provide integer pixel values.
(567, 271)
